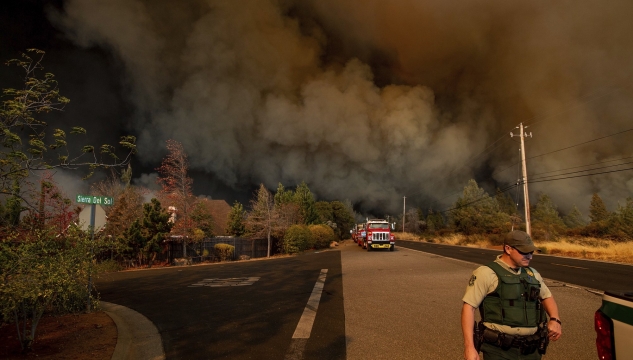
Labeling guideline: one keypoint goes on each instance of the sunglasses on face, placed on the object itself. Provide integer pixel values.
(521, 252)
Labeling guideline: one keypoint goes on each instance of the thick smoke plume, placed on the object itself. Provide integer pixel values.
(372, 100)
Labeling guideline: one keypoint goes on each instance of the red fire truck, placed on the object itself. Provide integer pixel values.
(378, 235)
(358, 233)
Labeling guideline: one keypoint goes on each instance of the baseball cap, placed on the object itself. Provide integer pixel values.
(520, 240)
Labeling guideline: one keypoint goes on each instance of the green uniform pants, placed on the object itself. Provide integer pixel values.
(492, 352)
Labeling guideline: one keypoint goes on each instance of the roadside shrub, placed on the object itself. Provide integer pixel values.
(224, 251)
(322, 236)
(107, 266)
(445, 232)
(41, 272)
(297, 239)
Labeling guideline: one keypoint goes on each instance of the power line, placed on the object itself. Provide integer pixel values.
(580, 166)
(581, 171)
(577, 176)
(582, 143)
(554, 151)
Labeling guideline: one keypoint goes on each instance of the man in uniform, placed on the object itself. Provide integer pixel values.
(512, 299)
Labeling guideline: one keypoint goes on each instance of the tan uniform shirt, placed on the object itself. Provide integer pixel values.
(484, 281)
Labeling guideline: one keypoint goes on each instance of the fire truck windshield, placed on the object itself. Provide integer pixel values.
(379, 226)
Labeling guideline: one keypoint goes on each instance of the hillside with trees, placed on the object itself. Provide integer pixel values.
(477, 215)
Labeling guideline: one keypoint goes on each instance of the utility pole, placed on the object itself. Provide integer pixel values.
(404, 212)
(526, 198)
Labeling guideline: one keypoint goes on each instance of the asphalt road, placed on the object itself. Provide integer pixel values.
(597, 275)
(237, 322)
(406, 305)
(374, 305)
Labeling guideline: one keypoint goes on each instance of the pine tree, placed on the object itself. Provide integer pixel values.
(597, 209)
(135, 240)
(574, 219)
(506, 203)
(202, 219)
(621, 222)
(324, 211)
(475, 211)
(155, 228)
(304, 198)
(235, 224)
(144, 235)
(546, 217)
(342, 218)
(430, 223)
(283, 196)
(434, 221)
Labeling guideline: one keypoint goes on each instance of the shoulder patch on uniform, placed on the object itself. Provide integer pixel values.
(472, 280)
(529, 272)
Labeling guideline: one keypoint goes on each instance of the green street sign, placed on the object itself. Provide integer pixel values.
(98, 200)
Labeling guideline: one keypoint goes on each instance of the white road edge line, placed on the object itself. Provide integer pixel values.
(304, 327)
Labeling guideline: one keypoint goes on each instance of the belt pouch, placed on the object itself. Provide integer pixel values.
(491, 337)
(505, 341)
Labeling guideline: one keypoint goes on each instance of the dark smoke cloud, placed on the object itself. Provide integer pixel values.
(372, 100)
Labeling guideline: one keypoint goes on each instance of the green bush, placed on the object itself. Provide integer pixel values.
(322, 236)
(224, 251)
(40, 272)
(297, 238)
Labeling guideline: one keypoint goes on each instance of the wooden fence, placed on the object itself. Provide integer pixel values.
(196, 251)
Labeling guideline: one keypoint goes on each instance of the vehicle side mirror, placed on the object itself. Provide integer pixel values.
(351, 231)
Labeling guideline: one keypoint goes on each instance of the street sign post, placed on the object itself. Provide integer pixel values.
(93, 201)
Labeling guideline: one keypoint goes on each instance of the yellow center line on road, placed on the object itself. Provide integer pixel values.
(575, 267)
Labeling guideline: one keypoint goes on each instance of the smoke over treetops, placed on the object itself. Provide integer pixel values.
(372, 100)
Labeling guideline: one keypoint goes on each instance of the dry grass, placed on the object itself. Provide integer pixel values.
(584, 248)
(406, 236)
(590, 248)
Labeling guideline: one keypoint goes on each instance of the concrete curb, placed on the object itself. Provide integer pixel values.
(138, 338)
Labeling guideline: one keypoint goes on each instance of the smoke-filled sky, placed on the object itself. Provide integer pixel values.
(365, 100)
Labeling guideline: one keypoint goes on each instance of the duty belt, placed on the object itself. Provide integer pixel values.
(526, 344)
